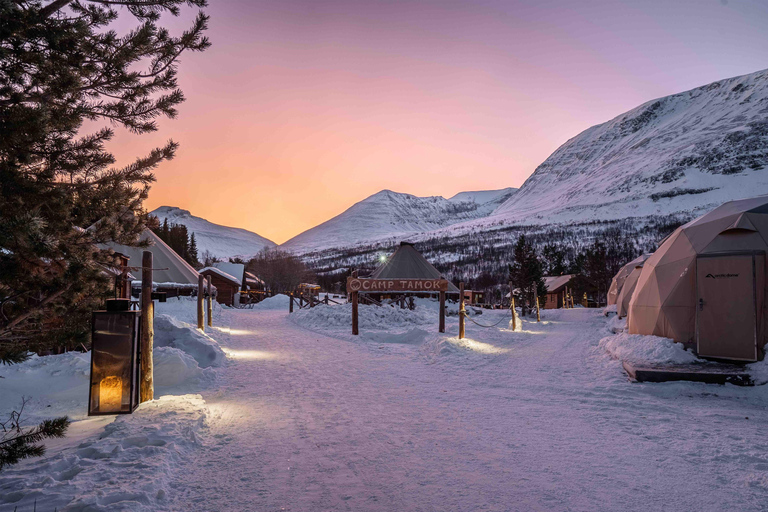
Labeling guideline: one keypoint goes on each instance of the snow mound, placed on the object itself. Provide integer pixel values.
(370, 317)
(638, 348)
(54, 385)
(616, 325)
(126, 468)
(274, 303)
(170, 332)
(176, 370)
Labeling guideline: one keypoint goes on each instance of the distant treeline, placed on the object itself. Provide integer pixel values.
(482, 260)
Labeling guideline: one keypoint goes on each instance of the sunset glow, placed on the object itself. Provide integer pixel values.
(301, 109)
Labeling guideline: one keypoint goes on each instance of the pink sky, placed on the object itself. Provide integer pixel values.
(301, 109)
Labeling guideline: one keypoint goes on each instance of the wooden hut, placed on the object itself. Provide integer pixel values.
(557, 289)
(227, 286)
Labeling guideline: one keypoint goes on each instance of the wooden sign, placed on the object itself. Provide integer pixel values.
(396, 285)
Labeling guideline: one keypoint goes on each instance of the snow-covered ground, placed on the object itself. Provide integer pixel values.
(305, 416)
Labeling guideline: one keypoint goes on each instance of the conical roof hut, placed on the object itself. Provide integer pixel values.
(705, 286)
(177, 271)
(408, 263)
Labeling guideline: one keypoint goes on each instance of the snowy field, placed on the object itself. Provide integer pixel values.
(271, 411)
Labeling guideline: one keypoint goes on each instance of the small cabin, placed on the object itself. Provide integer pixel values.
(473, 297)
(227, 286)
(308, 289)
(558, 287)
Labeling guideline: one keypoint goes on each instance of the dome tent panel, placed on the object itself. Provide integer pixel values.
(617, 283)
(668, 282)
(622, 301)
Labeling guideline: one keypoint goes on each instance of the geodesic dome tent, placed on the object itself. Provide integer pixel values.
(625, 295)
(617, 283)
(705, 286)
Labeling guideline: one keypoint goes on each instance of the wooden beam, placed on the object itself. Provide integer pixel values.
(146, 384)
(209, 300)
(355, 329)
(461, 310)
(200, 295)
(512, 307)
(536, 298)
(442, 311)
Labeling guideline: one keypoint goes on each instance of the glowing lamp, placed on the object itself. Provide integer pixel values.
(114, 385)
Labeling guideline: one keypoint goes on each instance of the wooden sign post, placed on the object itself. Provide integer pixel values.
(209, 300)
(442, 312)
(461, 310)
(536, 298)
(356, 286)
(512, 307)
(353, 296)
(200, 296)
(147, 385)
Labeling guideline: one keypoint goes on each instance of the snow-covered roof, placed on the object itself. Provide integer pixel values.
(222, 274)
(555, 283)
(236, 270)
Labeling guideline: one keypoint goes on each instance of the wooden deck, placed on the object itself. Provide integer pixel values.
(711, 373)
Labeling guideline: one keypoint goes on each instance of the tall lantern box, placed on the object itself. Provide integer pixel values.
(114, 361)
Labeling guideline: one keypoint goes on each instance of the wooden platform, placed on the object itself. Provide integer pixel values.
(711, 373)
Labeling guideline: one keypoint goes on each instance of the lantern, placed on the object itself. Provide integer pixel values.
(114, 360)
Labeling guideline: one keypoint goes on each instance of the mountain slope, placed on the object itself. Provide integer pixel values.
(220, 241)
(392, 214)
(687, 152)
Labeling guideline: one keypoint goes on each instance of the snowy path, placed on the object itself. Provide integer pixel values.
(546, 421)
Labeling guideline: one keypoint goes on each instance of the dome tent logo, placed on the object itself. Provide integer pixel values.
(720, 276)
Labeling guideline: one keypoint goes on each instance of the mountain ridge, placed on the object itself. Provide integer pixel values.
(218, 240)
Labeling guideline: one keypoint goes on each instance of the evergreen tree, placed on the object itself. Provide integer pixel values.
(526, 273)
(554, 260)
(17, 442)
(192, 252)
(61, 64)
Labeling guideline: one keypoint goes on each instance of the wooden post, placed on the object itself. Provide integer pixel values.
(536, 298)
(200, 296)
(353, 297)
(354, 313)
(290, 307)
(442, 311)
(402, 302)
(461, 310)
(210, 300)
(512, 307)
(147, 385)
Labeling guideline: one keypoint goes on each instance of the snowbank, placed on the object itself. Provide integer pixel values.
(54, 386)
(272, 303)
(370, 317)
(177, 371)
(170, 332)
(127, 467)
(638, 348)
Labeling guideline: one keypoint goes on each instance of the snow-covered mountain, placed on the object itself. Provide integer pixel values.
(391, 214)
(220, 241)
(685, 153)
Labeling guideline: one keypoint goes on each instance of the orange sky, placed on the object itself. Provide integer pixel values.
(301, 109)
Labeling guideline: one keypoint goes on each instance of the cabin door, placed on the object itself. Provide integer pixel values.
(726, 322)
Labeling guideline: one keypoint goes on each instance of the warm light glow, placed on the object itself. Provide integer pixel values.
(234, 332)
(478, 346)
(110, 393)
(249, 354)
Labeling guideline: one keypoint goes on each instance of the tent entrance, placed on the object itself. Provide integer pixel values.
(727, 300)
